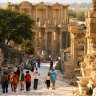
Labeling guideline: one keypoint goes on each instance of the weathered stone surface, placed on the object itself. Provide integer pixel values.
(94, 4)
(9, 55)
(1, 57)
(90, 57)
(91, 13)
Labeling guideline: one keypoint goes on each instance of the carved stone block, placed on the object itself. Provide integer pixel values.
(94, 4)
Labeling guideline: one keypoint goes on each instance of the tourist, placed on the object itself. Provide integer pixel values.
(1, 74)
(51, 64)
(47, 82)
(15, 81)
(22, 79)
(36, 75)
(9, 71)
(32, 67)
(30, 61)
(5, 80)
(18, 72)
(35, 65)
(27, 61)
(28, 81)
(38, 61)
(53, 77)
(11, 80)
(34, 62)
(25, 70)
(15, 68)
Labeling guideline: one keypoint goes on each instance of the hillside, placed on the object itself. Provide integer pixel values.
(81, 6)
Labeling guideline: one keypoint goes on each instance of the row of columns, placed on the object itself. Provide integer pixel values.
(48, 19)
(55, 39)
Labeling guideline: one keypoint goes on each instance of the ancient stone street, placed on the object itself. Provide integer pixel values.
(62, 88)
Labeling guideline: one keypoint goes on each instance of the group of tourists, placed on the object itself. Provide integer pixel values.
(23, 76)
(33, 62)
(19, 77)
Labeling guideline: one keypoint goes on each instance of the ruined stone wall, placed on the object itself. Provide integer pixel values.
(9, 55)
(91, 31)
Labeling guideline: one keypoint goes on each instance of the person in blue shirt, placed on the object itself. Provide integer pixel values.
(53, 77)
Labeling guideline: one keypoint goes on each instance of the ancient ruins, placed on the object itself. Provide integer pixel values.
(76, 44)
(51, 25)
(88, 66)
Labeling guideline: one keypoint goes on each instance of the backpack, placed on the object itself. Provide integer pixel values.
(4, 78)
(22, 77)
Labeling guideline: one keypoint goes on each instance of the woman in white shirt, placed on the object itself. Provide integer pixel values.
(36, 75)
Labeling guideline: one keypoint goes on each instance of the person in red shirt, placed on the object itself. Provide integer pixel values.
(15, 81)
(28, 81)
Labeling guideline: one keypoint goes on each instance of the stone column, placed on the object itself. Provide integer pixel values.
(91, 31)
(35, 42)
(85, 47)
(74, 45)
(67, 16)
(53, 40)
(46, 16)
(46, 38)
(36, 15)
(60, 39)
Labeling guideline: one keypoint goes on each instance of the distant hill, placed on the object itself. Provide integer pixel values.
(81, 5)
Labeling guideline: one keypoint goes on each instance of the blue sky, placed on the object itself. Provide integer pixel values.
(61, 1)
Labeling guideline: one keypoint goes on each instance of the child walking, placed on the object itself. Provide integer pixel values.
(48, 80)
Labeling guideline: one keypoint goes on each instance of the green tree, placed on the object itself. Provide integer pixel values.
(15, 26)
(72, 14)
(28, 48)
(81, 16)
